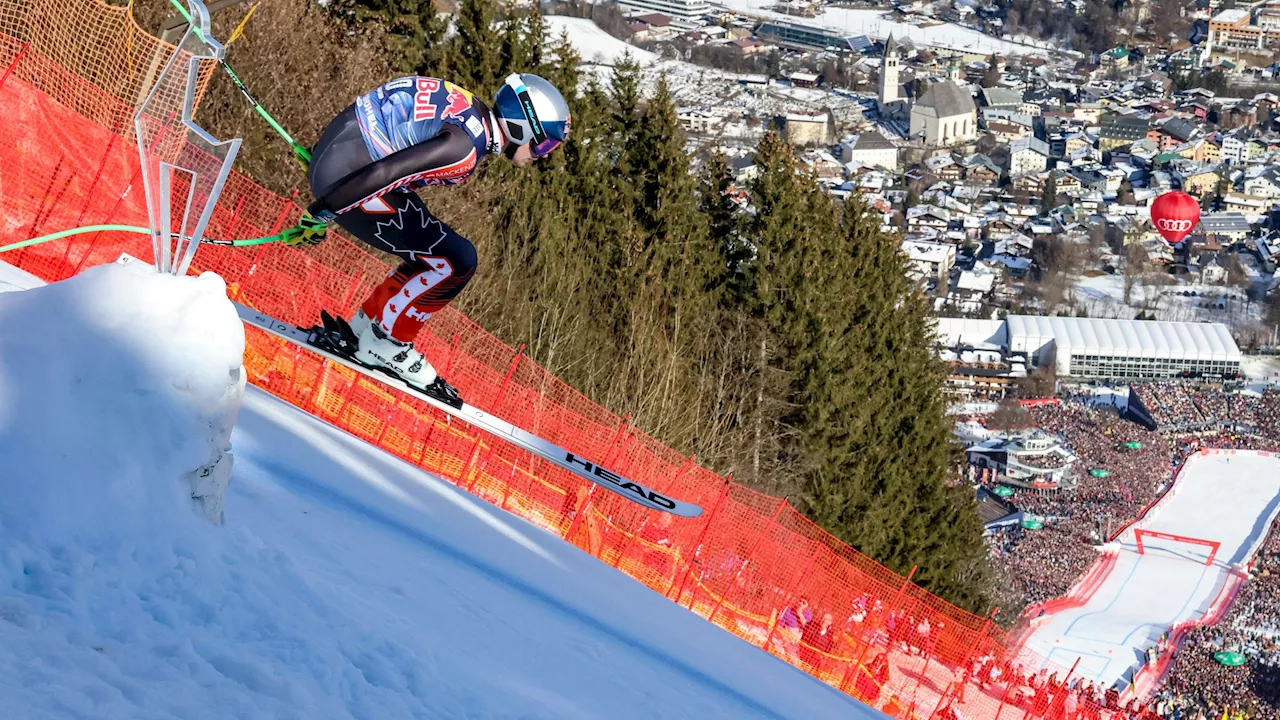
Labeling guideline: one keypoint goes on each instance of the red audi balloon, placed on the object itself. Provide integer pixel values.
(1175, 214)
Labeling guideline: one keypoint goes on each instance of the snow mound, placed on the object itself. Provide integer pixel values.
(593, 44)
(118, 391)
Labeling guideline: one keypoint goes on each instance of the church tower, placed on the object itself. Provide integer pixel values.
(889, 76)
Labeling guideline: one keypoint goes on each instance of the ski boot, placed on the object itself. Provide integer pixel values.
(374, 348)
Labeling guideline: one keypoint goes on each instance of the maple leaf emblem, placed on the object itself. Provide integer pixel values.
(390, 240)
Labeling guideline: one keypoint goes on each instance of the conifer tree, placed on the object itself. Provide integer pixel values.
(715, 201)
(414, 31)
(767, 290)
(523, 42)
(876, 429)
(474, 59)
(561, 68)
(1049, 195)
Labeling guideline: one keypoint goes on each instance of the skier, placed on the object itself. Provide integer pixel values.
(410, 133)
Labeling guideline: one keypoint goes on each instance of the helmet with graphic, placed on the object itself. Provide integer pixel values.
(532, 112)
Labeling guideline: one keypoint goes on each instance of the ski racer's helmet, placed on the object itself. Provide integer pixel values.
(532, 112)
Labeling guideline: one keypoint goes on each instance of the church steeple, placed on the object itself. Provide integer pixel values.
(889, 75)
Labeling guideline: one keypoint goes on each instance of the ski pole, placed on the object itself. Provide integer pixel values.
(133, 229)
(301, 154)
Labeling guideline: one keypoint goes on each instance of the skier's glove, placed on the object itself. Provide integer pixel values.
(309, 231)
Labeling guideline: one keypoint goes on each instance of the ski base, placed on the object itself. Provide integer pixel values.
(334, 339)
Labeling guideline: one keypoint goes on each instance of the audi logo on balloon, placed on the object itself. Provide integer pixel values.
(1174, 215)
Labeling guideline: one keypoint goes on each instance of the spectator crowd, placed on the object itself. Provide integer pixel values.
(1033, 566)
(1198, 686)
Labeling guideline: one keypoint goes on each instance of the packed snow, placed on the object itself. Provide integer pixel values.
(875, 24)
(594, 45)
(1103, 296)
(1228, 498)
(1261, 371)
(343, 582)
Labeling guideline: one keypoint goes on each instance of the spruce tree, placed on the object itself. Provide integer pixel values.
(414, 40)
(523, 43)
(876, 425)
(561, 68)
(1049, 195)
(474, 57)
(715, 201)
(769, 289)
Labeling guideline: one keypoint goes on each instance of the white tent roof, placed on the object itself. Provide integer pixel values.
(1123, 338)
(970, 331)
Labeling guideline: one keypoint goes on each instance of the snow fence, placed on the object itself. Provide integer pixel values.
(71, 75)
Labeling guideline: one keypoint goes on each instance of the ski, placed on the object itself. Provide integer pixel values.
(331, 339)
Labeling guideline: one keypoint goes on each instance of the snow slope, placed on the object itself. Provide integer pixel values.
(343, 584)
(593, 44)
(875, 24)
(1231, 499)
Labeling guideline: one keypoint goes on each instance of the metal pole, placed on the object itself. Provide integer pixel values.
(173, 28)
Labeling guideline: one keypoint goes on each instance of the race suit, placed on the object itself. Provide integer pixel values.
(409, 133)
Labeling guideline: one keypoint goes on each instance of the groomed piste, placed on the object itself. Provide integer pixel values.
(1227, 497)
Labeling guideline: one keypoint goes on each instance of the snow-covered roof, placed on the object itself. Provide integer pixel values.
(970, 331)
(1123, 338)
(980, 282)
(929, 252)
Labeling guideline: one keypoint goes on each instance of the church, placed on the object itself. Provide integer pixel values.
(944, 115)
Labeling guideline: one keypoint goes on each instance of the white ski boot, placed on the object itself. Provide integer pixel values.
(376, 348)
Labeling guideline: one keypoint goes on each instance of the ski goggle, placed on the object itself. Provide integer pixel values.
(545, 148)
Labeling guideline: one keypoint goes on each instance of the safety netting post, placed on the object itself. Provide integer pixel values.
(184, 168)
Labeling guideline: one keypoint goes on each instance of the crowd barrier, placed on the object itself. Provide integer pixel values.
(72, 74)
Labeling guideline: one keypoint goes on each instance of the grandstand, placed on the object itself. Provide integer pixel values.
(1105, 349)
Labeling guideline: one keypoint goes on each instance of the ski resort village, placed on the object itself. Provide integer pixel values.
(640, 359)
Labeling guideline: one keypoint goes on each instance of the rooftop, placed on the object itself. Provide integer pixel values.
(947, 99)
(870, 141)
(1233, 15)
(930, 252)
(1125, 338)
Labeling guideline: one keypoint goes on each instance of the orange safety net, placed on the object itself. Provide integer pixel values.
(73, 73)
